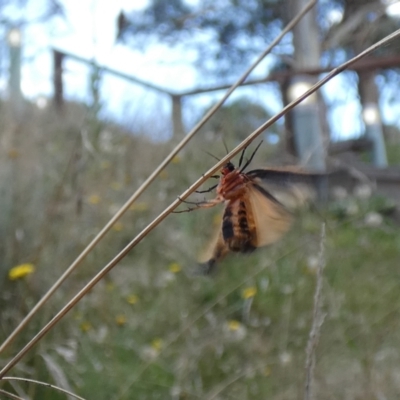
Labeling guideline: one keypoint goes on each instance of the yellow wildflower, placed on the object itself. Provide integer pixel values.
(116, 186)
(85, 326)
(120, 319)
(308, 271)
(118, 226)
(157, 344)
(176, 160)
(233, 325)
(141, 206)
(174, 268)
(163, 174)
(78, 316)
(13, 153)
(249, 292)
(132, 299)
(105, 164)
(94, 199)
(20, 271)
(267, 371)
(110, 286)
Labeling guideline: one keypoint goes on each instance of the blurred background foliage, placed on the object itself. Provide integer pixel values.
(226, 34)
(153, 329)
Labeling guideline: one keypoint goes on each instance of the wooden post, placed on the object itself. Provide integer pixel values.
(308, 140)
(177, 124)
(374, 133)
(369, 97)
(289, 145)
(58, 58)
(307, 127)
(14, 82)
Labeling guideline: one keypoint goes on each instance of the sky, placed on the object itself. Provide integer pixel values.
(89, 30)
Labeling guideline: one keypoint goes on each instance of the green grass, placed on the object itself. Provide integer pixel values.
(393, 153)
(360, 299)
(188, 336)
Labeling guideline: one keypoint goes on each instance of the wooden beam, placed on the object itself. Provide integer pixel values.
(371, 63)
(114, 72)
(354, 145)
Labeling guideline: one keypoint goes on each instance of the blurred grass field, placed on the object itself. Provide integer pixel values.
(154, 330)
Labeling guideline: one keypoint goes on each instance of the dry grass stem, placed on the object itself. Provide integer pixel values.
(183, 196)
(10, 395)
(151, 178)
(231, 380)
(14, 378)
(212, 395)
(317, 320)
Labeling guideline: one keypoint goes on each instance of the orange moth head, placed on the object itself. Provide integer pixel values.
(227, 168)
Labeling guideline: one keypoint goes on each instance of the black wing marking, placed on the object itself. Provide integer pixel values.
(285, 177)
(290, 187)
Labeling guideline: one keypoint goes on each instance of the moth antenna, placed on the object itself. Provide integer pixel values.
(226, 147)
(250, 159)
(241, 157)
(212, 155)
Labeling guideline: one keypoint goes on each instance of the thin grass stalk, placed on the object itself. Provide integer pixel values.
(54, 200)
(151, 178)
(317, 321)
(10, 395)
(14, 378)
(89, 286)
(214, 393)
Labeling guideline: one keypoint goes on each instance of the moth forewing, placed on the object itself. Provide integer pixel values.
(214, 252)
(292, 189)
(271, 218)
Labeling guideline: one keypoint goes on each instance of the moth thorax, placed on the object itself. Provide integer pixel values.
(232, 186)
(235, 193)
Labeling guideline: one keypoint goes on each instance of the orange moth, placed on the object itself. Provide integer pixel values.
(257, 207)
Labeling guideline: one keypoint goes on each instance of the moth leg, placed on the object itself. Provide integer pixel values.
(212, 176)
(192, 202)
(199, 204)
(207, 190)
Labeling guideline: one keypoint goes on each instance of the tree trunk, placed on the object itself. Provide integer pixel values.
(306, 39)
(305, 121)
(367, 87)
(369, 98)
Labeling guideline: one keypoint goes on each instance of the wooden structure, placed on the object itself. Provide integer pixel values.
(366, 64)
(386, 180)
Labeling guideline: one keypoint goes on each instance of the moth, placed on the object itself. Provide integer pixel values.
(258, 207)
